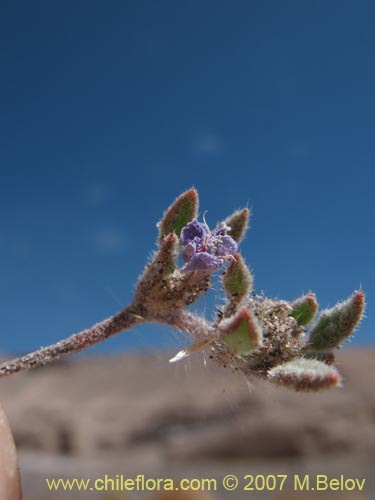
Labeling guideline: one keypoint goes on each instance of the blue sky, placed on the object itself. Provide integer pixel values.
(110, 109)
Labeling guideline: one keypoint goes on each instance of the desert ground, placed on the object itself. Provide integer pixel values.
(138, 414)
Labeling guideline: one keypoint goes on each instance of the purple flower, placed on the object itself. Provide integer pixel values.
(204, 249)
(194, 231)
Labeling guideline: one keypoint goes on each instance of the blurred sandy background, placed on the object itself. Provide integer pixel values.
(137, 414)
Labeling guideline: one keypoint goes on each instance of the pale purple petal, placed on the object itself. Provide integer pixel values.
(189, 251)
(227, 246)
(205, 250)
(203, 261)
(221, 246)
(194, 230)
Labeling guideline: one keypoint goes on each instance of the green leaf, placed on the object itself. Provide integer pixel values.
(241, 333)
(305, 375)
(237, 279)
(179, 214)
(238, 223)
(337, 324)
(304, 309)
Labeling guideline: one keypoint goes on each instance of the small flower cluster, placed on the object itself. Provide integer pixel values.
(283, 342)
(206, 250)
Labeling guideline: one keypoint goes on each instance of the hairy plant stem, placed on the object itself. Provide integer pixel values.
(109, 327)
(196, 326)
(123, 320)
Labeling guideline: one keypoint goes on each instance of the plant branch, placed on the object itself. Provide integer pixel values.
(109, 327)
(196, 326)
(251, 334)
